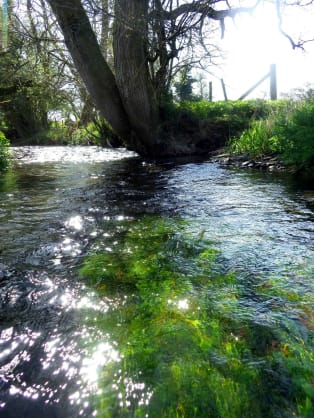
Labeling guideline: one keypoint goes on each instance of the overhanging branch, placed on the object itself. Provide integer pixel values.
(205, 8)
(295, 45)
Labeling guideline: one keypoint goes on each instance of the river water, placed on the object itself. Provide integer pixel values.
(132, 288)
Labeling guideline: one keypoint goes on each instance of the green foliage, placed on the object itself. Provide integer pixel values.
(32, 81)
(187, 345)
(216, 122)
(184, 84)
(71, 133)
(296, 136)
(244, 110)
(258, 140)
(99, 132)
(287, 131)
(4, 151)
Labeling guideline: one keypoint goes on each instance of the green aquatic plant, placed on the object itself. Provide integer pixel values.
(188, 340)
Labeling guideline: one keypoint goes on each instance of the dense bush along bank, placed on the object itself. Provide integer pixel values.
(287, 132)
(4, 151)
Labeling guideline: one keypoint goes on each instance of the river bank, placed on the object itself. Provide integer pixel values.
(271, 163)
(266, 163)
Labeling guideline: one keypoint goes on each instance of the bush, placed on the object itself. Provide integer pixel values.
(296, 136)
(4, 151)
(287, 131)
(71, 133)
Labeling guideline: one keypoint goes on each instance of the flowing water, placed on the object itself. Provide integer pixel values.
(143, 289)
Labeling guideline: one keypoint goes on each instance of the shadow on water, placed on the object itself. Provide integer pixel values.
(132, 288)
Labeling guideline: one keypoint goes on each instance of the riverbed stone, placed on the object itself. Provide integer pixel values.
(269, 163)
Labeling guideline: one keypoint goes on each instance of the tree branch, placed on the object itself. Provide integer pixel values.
(294, 45)
(205, 8)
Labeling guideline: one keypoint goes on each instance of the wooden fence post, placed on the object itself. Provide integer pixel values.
(210, 91)
(224, 89)
(273, 82)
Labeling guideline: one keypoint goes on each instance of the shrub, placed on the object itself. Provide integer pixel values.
(258, 140)
(286, 131)
(4, 151)
(296, 136)
(68, 133)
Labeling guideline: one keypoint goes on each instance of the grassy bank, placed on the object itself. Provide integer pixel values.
(255, 128)
(70, 133)
(259, 128)
(287, 131)
(213, 122)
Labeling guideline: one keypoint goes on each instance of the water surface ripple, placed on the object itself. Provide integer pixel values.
(57, 204)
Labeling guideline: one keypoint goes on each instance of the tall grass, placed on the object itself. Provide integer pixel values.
(261, 137)
(296, 136)
(287, 131)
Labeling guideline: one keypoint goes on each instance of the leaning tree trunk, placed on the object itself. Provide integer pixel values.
(90, 63)
(132, 75)
(126, 100)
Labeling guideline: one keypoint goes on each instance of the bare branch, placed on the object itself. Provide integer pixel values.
(206, 10)
(294, 45)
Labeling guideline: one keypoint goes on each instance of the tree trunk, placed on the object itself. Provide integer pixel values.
(90, 63)
(104, 38)
(127, 100)
(132, 75)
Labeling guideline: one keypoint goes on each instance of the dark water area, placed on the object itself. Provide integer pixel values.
(196, 299)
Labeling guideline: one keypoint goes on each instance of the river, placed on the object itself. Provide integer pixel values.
(132, 288)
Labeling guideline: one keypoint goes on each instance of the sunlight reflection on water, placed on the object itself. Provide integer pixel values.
(77, 154)
(75, 222)
(56, 346)
(91, 366)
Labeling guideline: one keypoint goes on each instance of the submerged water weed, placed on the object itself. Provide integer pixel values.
(189, 341)
(295, 352)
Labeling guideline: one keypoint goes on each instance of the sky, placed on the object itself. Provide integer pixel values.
(254, 42)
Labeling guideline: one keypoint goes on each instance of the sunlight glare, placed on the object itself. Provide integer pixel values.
(102, 355)
(75, 222)
(183, 304)
(254, 42)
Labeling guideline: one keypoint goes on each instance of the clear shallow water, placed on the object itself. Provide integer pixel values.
(65, 343)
